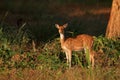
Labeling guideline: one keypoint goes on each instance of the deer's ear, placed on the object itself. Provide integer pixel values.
(65, 25)
(57, 26)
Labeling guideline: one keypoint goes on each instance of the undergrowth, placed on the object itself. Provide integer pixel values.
(16, 53)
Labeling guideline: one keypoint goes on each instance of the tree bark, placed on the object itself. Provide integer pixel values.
(113, 28)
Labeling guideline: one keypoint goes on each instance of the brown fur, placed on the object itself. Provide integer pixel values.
(81, 42)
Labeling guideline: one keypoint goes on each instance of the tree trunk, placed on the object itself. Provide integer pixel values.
(113, 28)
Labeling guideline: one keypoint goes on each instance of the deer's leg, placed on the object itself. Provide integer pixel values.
(92, 58)
(68, 57)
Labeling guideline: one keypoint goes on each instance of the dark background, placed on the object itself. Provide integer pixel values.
(83, 16)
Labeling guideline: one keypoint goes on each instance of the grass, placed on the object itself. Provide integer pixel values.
(49, 62)
(75, 73)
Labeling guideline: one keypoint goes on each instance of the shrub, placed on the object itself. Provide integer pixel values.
(110, 49)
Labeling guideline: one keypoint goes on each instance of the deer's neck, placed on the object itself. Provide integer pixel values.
(62, 38)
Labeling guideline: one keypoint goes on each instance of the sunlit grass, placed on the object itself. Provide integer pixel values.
(49, 62)
(75, 73)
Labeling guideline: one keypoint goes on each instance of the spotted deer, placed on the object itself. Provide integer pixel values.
(78, 43)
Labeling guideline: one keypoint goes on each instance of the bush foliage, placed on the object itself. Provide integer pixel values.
(17, 53)
(14, 53)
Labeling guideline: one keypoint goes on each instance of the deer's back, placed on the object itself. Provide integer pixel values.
(79, 42)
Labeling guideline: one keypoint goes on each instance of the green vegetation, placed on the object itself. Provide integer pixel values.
(48, 62)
